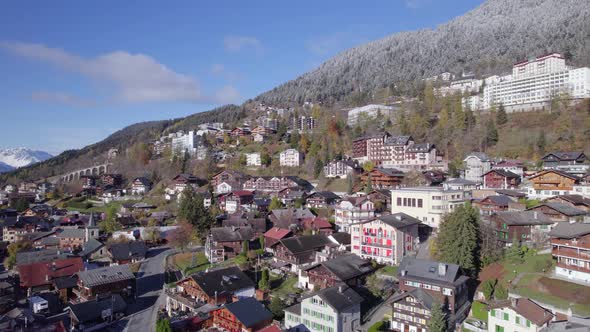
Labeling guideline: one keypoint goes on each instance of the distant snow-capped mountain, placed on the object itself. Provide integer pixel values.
(5, 167)
(20, 157)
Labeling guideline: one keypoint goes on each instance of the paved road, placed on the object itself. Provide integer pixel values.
(143, 313)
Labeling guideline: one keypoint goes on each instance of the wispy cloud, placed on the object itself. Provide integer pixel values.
(227, 95)
(136, 77)
(242, 43)
(61, 98)
(415, 4)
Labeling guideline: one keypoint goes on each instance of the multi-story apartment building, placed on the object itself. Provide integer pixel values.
(334, 309)
(514, 166)
(423, 282)
(549, 183)
(341, 168)
(571, 248)
(274, 183)
(518, 315)
(385, 239)
(304, 123)
(253, 159)
(291, 158)
(427, 204)
(535, 82)
(185, 143)
(476, 165)
(574, 162)
(353, 210)
(368, 112)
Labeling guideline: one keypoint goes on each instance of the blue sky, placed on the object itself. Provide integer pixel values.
(73, 72)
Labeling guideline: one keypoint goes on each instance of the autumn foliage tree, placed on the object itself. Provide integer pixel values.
(182, 236)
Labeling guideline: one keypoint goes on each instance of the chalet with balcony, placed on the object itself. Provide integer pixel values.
(288, 218)
(493, 204)
(127, 252)
(317, 225)
(571, 249)
(321, 199)
(140, 186)
(274, 235)
(40, 275)
(275, 184)
(110, 180)
(233, 179)
(243, 219)
(353, 210)
(383, 178)
(244, 315)
(550, 183)
(574, 162)
(427, 282)
(240, 132)
(559, 212)
(347, 268)
(386, 239)
(226, 242)
(104, 281)
(297, 252)
(342, 169)
(529, 227)
(236, 199)
(500, 179)
(214, 287)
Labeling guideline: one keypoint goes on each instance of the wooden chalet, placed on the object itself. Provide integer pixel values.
(383, 178)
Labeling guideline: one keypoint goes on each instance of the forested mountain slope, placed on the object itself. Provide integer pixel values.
(488, 39)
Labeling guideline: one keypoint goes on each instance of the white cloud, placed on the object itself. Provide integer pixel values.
(240, 43)
(61, 98)
(137, 77)
(227, 95)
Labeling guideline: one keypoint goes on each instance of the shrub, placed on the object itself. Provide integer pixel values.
(379, 326)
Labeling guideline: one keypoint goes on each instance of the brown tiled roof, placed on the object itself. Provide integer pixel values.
(528, 309)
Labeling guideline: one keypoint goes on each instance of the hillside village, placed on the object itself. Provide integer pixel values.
(295, 218)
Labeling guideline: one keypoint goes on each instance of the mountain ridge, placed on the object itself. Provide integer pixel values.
(22, 157)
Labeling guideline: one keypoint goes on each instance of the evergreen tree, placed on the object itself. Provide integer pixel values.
(369, 186)
(438, 319)
(500, 292)
(163, 325)
(110, 224)
(491, 134)
(277, 306)
(275, 203)
(264, 279)
(349, 185)
(458, 239)
(501, 116)
(318, 167)
(541, 142)
(192, 210)
(245, 248)
(514, 253)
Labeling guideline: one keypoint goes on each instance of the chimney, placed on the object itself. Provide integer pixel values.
(398, 217)
(340, 289)
(513, 302)
(535, 215)
(442, 269)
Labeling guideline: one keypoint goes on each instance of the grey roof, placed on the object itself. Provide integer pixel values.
(35, 236)
(426, 269)
(65, 282)
(72, 233)
(510, 192)
(92, 310)
(37, 256)
(50, 241)
(565, 209)
(479, 155)
(340, 297)
(397, 140)
(523, 218)
(232, 234)
(90, 247)
(294, 309)
(127, 250)
(348, 266)
(284, 218)
(504, 173)
(575, 199)
(341, 237)
(570, 231)
(573, 324)
(223, 281)
(570, 155)
(419, 295)
(460, 181)
(249, 311)
(397, 220)
(422, 147)
(305, 243)
(501, 200)
(106, 275)
(390, 171)
(328, 195)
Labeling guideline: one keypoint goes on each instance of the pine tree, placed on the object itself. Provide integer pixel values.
(163, 325)
(491, 134)
(264, 278)
(501, 116)
(369, 186)
(275, 203)
(541, 142)
(458, 239)
(349, 185)
(438, 320)
(514, 253)
(500, 292)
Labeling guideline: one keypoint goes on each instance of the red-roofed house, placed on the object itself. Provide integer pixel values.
(274, 235)
(42, 274)
(271, 328)
(317, 225)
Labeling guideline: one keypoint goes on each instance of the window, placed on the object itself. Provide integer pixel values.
(419, 202)
(399, 201)
(517, 319)
(499, 328)
(506, 316)
(493, 312)
(528, 323)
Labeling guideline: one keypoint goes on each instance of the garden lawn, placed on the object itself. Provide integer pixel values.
(388, 270)
(531, 264)
(555, 292)
(184, 262)
(283, 287)
(479, 311)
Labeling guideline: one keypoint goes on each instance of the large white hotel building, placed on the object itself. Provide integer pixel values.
(533, 84)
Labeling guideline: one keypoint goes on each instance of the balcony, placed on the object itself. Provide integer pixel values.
(571, 253)
(572, 244)
(573, 267)
(377, 245)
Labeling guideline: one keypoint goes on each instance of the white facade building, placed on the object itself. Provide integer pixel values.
(253, 159)
(367, 111)
(334, 309)
(184, 143)
(291, 158)
(476, 165)
(351, 211)
(427, 204)
(535, 82)
(518, 315)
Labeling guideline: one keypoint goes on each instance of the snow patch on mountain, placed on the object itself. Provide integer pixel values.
(20, 157)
